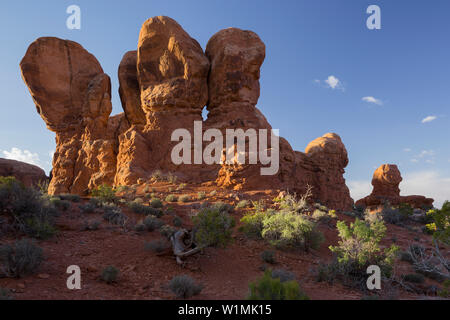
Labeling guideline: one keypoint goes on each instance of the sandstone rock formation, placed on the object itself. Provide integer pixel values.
(28, 174)
(386, 181)
(73, 97)
(164, 85)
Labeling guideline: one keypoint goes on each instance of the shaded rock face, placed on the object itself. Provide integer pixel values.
(164, 86)
(386, 181)
(28, 174)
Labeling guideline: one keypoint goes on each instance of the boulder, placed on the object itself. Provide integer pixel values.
(386, 181)
(28, 174)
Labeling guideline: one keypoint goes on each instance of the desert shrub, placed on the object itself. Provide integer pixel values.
(289, 229)
(171, 198)
(182, 186)
(167, 231)
(70, 197)
(440, 227)
(26, 210)
(321, 216)
(184, 287)
(213, 227)
(157, 175)
(22, 258)
(177, 221)
(213, 193)
(157, 246)
(139, 208)
(140, 227)
(392, 215)
(87, 208)
(359, 248)
(42, 187)
(91, 225)
(201, 195)
(5, 294)
(268, 256)
(156, 203)
(95, 202)
(105, 194)
(283, 275)
(252, 223)
(243, 204)
(110, 274)
(60, 204)
(299, 205)
(269, 288)
(152, 223)
(223, 207)
(445, 290)
(171, 178)
(114, 215)
(414, 278)
(184, 198)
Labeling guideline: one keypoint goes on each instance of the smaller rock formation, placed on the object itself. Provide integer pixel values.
(28, 174)
(386, 181)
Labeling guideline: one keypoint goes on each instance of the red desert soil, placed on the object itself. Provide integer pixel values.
(224, 273)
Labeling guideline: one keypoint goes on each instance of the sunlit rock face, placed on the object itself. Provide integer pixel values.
(164, 86)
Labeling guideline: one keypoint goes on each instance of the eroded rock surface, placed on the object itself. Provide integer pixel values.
(164, 86)
(386, 181)
(30, 175)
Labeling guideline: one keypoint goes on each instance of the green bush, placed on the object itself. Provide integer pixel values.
(201, 195)
(152, 223)
(290, 229)
(22, 258)
(414, 278)
(60, 204)
(268, 256)
(167, 231)
(171, 178)
(87, 208)
(252, 223)
(5, 294)
(157, 175)
(283, 275)
(213, 227)
(156, 203)
(110, 274)
(139, 208)
(70, 197)
(440, 227)
(184, 198)
(177, 221)
(105, 194)
(26, 210)
(157, 246)
(243, 204)
(213, 193)
(182, 186)
(359, 248)
(171, 198)
(184, 287)
(269, 288)
(114, 215)
(223, 207)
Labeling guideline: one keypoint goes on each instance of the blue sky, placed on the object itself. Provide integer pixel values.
(321, 62)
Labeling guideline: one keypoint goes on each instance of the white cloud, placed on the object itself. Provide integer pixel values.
(429, 119)
(407, 150)
(373, 100)
(430, 184)
(359, 189)
(427, 183)
(331, 82)
(28, 157)
(23, 156)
